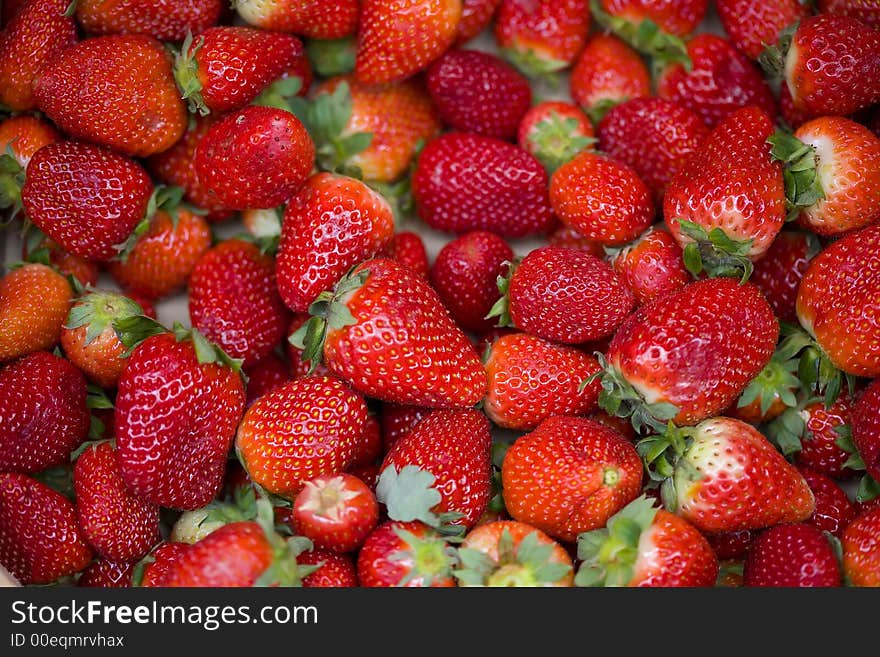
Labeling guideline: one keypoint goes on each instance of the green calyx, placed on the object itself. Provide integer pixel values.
(772, 59)
(284, 570)
(410, 495)
(496, 501)
(555, 140)
(431, 558)
(868, 488)
(531, 63)
(98, 310)
(528, 564)
(665, 459)
(280, 93)
(328, 311)
(96, 399)
(597, 111)
(331, 57)
(206, 351)
(714, 254)
(608, 555)
(816, 372)
(803, 188)
(167, 198)
(11, 182)
(775, 381)
(186, 75)
(501, 308)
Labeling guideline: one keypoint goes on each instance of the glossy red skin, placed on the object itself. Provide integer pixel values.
(652, 266)
(730, 545)
(737, 336)
(671, 552)
(864, 507)
(371, 445)
(164, 556)
(107, 575)
(335, 570)
(861, 550)
(866, 428)
(40, 539)
(332, 224)
(554, 477)
(553, 31)
(730, 182)
(377, 568)
(455, 447)
(834, 511)
(265, 376)
(344, 524)
(24, 135)
(608, 69)
(298, 367)
(751, 26)
(531, 379)
(398, 420)
(173, 440)
(234, 302)
(619, 424)
(475, 16)
(254, 158)
(465, 275)
(819, 450)
(779, 271)
(864, 10)
(408, 249)
(678, 18)
(438, 367)
(466, 182)
(838, 299)
(162, 19)
(84, 197)
(653, 136)
(43, 414)
(117, 524)
(796, 555)
(317, 19)
(568, 237)
(721, 81)
(833, 65)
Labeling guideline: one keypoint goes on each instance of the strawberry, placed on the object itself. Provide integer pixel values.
(371, 445)
(34, 301)
(796, 555)
(44, 415)
(42, 249)
(407, 249)
(554, 132)
(117, 524)
(861, 552)
(779, 271)
(153, 569)
(107, 574)
(653, 136)
(565, 295)
(224, 68)
(478, 92)
(730, 545)
(334, 570)
(722, 475)
(264, 376)
(531, 379)
(161, 19)
(85, 198)
(475, 16)
(657, 371)
(866, 428)
(257, 157)
(864, 10)
(400, 38)
(607, 73)
(465, 274)
(304, 429)
(177, 407)
(568, 237)
(40, 540)
(751, 26)
(442, 467)
(646, 546)
(385, 331)
(317, 19)
(833, 511)
(542, 37)
(337, 512)
(39, 32)
(569, 476)
(651, 266)
(677, 18)
(720, 81)
(793, 116)
(333, 223)
(398, 420)
(511, 553)
(10, 9)
(24, 135)
(117, 91)
(410, 554)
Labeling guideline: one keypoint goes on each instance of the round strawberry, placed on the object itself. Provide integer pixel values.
(407, 249)
(796, 555)
(409, 554)
(34, 302)
(336, 512)
(651, 266)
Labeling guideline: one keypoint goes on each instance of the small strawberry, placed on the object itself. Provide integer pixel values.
(475, 16)
(651, 266)
(866, 428)
(779, 271)
(316, 19)
(334, 570)
(264, 376)
(336, 512)
(861, 550)
(751, 26)
(833, 511)
(730, 545)
(796, 555)
(407, 249)
(161, 19)
(34, 302)
(568, 237)
(107, 574)
(554, 132)
(410, 554)
(398, 420)
(39, 248)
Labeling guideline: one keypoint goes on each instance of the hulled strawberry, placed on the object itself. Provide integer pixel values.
(752, 26)
(833, 511)
(791, 555)
(779, 271)
(336, 512)
(861, 550)
(554, 132)
(161, 19)
(318, 19)
(651, 266)
(334, 569)
(866, 428)
(34, 302)
(409, 554)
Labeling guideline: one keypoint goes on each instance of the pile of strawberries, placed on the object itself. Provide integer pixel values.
(674, 389)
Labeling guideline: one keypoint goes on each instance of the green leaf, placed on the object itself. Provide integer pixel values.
(409, 494)
(869, 489)
(133, 330)
(186, 75)
(280, 93)
(331, 57)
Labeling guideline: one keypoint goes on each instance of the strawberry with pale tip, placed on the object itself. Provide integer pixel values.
(336, 512)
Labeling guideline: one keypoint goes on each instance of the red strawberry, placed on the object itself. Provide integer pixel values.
(833, 511)
(333, 223)
(336, 512)
(107, 574)
(465, 274)
(398, 39)
(156, 566)
(645, 546)
(371, 445)
(304, 429)
(407, 554)
(265, 376)
(752, 26)
(82, 269)
(334, 570)
(531, 379)
(779, 271)
(866, 428)
(568, 237)
(678, 18)
(651, 266)
(254, 158)
(569, 476)
(475, 16)
(40, 540)
(34, 302)
(398, 420)
(408, 249)
(861, 550)
(731, 545)
(795, 555)
(465, 182)
(864, 10)
(177, 407)
(554, 132)
(161, 19)
(317, 19)
(24, 135)
(117, 91)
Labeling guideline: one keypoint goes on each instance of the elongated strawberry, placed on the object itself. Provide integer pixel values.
(34, 301)
(336, 512)
(107, 574)
(651, 266)
(318, 19)
(752, 26)
(161, 19)
(833, 511)
(475, 16)
(866, 429)
(409, 554)
(779, 271)
(335, 570)
(861, 552)
(554, 132)
(794, 555)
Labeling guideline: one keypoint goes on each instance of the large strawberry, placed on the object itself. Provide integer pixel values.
(162, 19)
(316, 19)
(752, 26)
(410, 554)
(651, 266)
(792, 555)
(34, 302)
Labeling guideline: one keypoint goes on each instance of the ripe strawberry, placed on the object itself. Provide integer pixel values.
(475, 16)
(333, 223)
(398, 420)
(257, 157)
(554, 132)
(861, 551)
(24, 135)
(465, 182)
(833, 511)
(337, 512)
(153, 570)
(796, 555)
(511, 553)
(569, 476)
(770, 394)
(542, 37)
(407, 249)
(531, 379)
(177, 407)
(864, 10)
(264, 376)
(371, 445)
(34, 301)
(564, 295)
(317, 19)
(568, 237)
(730, 545)
(85, 198)
(304, 429)
(651, 266)
(722, 475)
(646, 546)
(657, 371)
(117, 91)
(334, 570)
(465, 274)
(751, 26)
(42, 249)
(720, 81)
(407, 554)
(161, 19)
(40, 540)
(677, 18)
(400, 38)
(107, 574)
(866, 428)
(385, 331)
(779, 271)
(653, 136)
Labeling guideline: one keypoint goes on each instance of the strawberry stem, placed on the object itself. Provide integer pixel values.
(186, 75)
(715, 254)
(803, 188)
